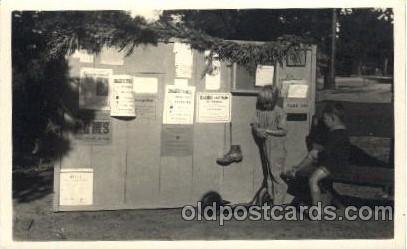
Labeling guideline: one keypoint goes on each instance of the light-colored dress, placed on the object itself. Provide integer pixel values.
(273, 153)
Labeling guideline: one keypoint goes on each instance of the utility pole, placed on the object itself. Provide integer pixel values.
(331, 78)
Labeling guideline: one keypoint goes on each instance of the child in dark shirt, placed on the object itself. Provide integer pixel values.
(332, 155)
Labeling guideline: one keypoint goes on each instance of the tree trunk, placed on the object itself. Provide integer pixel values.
(331, 79)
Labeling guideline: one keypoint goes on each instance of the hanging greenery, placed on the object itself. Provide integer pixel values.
(127, 33)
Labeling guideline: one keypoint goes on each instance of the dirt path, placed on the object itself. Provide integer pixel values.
(34, 221)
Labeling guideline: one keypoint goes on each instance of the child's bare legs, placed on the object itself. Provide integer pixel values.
(307, 161)
(319, 174)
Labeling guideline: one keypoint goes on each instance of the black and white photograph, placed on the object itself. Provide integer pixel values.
(207, 124)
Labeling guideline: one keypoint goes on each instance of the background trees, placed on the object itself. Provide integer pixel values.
(41, 94)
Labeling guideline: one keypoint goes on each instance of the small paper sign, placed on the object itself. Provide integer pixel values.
(94, 88)
(122, 97)
(76, 187)
(297, 91)
(179, 105)
(214, 107)
(264, 75)
(145, 85)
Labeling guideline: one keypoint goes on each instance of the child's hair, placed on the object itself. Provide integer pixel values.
(267, 98)
(336, 109)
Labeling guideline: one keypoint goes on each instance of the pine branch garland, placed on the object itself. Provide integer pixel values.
(127, 33)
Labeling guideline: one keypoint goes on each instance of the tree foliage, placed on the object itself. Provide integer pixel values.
(44, 101)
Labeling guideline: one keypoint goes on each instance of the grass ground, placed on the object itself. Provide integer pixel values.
(370, 125)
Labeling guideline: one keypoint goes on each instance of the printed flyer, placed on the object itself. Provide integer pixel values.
(179, 104)
(94, 88)
(122, 97)
(214, 107)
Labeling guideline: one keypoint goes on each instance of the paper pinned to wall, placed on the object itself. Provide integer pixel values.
(297, 91)
(94, 88)
(83, 56)
(181, 82)
(264, 75)
(112, 56)
(212, 78)
(287, 83)
(183, 60)
(146, 106)
(214, 107)
(147, 85)
(98, 131)
(122, 97)
(177, 140)
(76, 187)
(179, 105)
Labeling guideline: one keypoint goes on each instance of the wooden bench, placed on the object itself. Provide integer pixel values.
(351, 174)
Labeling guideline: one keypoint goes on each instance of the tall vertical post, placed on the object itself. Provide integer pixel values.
(331, 79)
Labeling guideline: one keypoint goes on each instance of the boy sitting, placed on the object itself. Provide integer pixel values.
(332, 156)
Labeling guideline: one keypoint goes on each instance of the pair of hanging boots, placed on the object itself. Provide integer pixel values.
(233, 156)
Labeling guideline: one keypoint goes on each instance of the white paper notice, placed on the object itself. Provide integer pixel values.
(287, 83)
(183, 60)
(212, 78)
(83, 56)
(214, 107)
(76, 187)
(145, 85)
(94, 88)
(297, 91)
(181, 82)
(264, 75)
(179, 105)
(112, 56)
(122, 97)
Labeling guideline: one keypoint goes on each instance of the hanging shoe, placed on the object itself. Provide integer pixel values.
(233, 156)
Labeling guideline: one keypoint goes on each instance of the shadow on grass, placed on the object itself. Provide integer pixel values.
(32, 185)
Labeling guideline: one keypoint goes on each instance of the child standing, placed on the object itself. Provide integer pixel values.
(269, 130)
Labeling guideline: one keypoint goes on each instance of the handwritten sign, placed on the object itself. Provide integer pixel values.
(76, 187)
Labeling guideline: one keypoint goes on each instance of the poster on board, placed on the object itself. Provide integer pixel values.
(214, 107)
(98, 131)
(76, 187)
(183, 60)
(122, 96)
(297, 91)
(287, 83)
(145, 106)
(181, 82)
(212, 77)
(264, 75)
(176, 140)
(147, 85)
(94, 88)
(179, 104)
